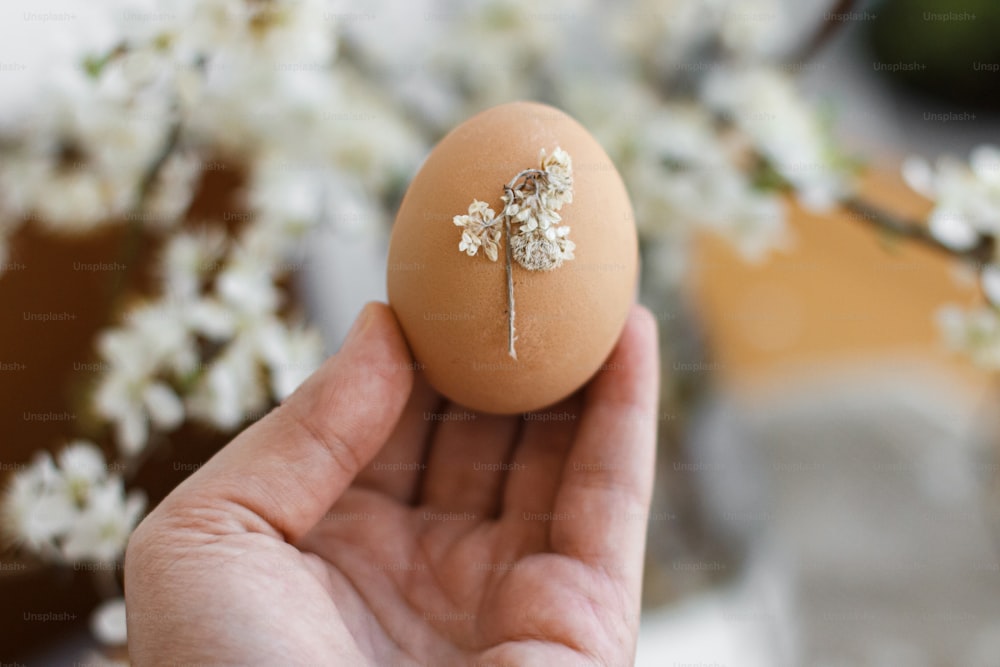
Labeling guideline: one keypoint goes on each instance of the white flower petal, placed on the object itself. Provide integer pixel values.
(34, 512)
(82, 460)
(108, 622)
(952, 229)
(919, 175)
(990, 281)
(165, 408)
(103, 528)
(132, 432)
(212, 319)
(985, 163)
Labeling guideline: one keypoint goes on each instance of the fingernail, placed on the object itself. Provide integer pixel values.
(357, 330)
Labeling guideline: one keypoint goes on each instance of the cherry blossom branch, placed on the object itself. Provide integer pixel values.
(152, 173)
(877, 218)
(136, 215)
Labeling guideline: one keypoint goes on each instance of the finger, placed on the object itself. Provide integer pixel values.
(607, 480)
(467, 461)
(537, 464)
(284, 472)
(397, 468)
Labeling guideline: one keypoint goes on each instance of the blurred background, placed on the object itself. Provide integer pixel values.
(195, 202)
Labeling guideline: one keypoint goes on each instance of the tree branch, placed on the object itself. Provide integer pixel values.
(980, 254)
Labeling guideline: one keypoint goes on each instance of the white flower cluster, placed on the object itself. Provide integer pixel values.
(532, 200)
(670, 34)
(128, 122)
(541, 243)
(71, 510)
(682, 176)
(109, 623)
(479, 230)
(214, 347)
(471, 55)
(764, 104)
(966, 213)
(966, 196)
(679, 182)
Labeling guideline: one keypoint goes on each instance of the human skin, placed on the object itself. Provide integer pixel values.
(366, 521)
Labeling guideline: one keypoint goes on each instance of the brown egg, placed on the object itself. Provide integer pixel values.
(453, 307)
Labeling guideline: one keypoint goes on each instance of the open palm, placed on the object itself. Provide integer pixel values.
(367, 522)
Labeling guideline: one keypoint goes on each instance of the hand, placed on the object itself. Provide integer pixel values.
(318, 536)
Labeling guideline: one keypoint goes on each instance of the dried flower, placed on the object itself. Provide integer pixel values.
(479, 230)
(532, 200)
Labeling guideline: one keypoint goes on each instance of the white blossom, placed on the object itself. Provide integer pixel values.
(173, 189)
(132, 394)
(291, 355)
(532, 202)
(966, 196)
(670, 35)
(81, 204)
(188, 259)
(212, 318)
(108, 622)
(684, 178)
(102, 529)
(952, 228)
(754, 222)
(36, 509)
(230, 392)
(480, 229)
(757, 28)
(764, 104)
(71, 512)
(83, 466)
(246, 282)
(541, 242)
(990, 281)
(480, 51)
(974, 332)
(558, 168)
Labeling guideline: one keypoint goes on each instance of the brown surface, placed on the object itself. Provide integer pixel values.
(843, 294)
(49, 368)
(453, 308)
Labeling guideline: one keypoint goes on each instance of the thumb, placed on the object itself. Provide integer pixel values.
(286, 470)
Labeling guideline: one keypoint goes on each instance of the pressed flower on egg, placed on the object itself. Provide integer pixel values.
(531, 200)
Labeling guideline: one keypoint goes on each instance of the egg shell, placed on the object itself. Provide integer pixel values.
(453, 307)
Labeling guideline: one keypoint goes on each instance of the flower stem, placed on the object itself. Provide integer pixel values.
(137, 212)
(516, 184)
(510, 289)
